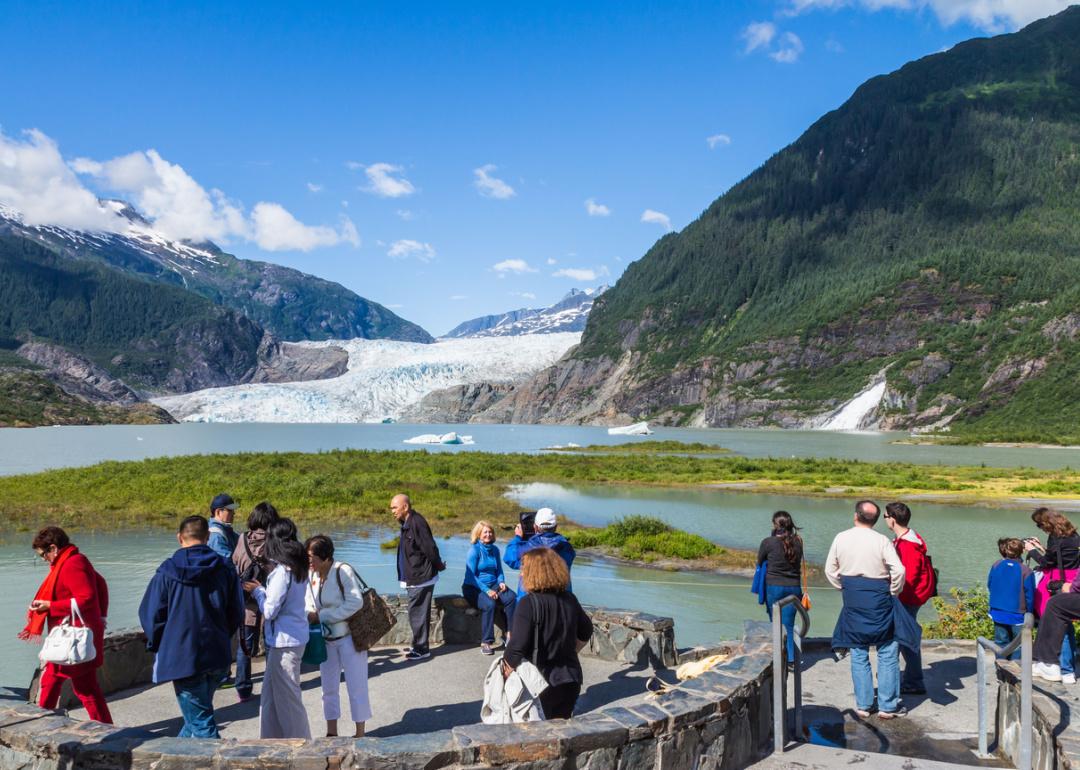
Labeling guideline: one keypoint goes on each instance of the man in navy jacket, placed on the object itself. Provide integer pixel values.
(191, 609)
(544, 537)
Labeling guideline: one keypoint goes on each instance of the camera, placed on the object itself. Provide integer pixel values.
(528, 528)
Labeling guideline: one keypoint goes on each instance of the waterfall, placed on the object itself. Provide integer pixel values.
(851, 415)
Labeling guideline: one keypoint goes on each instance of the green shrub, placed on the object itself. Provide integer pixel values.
(965, 617)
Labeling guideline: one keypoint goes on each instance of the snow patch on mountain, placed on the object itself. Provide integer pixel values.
(385, 377)
(567, 315)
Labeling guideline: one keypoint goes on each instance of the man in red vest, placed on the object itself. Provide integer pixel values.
(920, 584)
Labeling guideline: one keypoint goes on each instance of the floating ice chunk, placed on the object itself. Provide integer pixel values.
(637, 429)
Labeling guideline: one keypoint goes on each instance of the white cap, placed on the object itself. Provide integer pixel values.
(545, 519)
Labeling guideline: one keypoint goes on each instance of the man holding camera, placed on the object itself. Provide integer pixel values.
(537, 532)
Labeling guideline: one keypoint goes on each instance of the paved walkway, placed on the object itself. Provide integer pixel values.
(407, 697)
(941, 725)
(810, 757)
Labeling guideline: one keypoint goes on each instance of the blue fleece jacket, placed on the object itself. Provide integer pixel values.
(483, 568)
(552, 540)
(1012, 591)
(223, 539)
(189, 613)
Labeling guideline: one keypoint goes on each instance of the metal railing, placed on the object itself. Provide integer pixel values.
(779, 684)
(1023, 641)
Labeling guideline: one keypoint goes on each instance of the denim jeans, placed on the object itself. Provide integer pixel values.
(1003, 634)
(195, 694)
(1068, 650)
(913, 677)
(774, 594)
(888, 675)
(487, 605)
(243, 660)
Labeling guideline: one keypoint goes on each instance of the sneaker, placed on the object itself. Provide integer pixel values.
(1051, 672)
(414, 655)
(1068, 678)
(865, 713)
(227, 683)
(485, 649)
(900, 712)
(244, 698)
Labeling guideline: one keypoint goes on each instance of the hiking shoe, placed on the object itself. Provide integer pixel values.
(1051, 672)
(244, 698)
(865, 713)
(900, 712)
(414, 655)
(1068, 678)
(485, 649)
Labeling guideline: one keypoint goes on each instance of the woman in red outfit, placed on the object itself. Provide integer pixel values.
(71, 577)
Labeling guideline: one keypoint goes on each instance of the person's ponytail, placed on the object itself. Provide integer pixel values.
(785, 529)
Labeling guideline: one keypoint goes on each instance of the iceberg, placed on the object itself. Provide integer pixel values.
(450, 438)
(637, 429)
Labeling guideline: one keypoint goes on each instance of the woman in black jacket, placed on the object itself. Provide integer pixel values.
(1059, 562)
(549, 629)
(783, 550)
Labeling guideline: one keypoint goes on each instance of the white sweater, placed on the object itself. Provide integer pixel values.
(334, 605)
(865, 552)
(282, 606)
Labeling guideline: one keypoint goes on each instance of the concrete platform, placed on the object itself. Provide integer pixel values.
(941, 725)
(406, 697)
(810, 757)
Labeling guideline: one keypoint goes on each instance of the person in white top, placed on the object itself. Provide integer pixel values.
(282, 604)
(335, 595)
(863, 563)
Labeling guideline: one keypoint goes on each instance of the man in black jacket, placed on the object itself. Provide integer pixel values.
(419, 565)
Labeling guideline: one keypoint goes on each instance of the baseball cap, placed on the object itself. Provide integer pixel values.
(545, 519)
(222, 501)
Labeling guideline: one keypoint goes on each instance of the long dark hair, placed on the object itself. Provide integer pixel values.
(785, 529)
(283, 548)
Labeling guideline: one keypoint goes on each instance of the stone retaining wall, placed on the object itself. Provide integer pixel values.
(1055, 744)
(720, 719)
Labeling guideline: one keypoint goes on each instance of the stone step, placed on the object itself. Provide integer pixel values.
(807, 756)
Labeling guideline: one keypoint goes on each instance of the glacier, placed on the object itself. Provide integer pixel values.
(383, 379)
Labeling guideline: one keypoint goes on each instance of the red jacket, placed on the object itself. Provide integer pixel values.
(78, 580)
(918, 574)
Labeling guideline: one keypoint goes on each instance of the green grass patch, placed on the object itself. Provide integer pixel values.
(648, 539)
(651, 447)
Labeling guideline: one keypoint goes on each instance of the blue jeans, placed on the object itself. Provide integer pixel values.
(888, 675)
(487, 605)
(912, 678)
(1003, 634)
(1068, 650)
(195, 694)
(243, 660)
(774, 594)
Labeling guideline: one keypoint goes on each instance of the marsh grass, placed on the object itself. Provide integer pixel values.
(649, 447)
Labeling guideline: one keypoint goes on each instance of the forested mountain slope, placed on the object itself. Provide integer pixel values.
(927, 230)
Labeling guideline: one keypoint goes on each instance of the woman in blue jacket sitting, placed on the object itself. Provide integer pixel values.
(485, 585)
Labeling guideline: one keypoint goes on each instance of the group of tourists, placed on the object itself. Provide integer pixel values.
(885, 583)
(222, 594)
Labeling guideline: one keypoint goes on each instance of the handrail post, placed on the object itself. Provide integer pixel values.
(798, 687)
(778, 681)
(1026, 724)
(980, 684)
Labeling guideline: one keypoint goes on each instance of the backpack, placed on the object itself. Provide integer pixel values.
(256, 568)
(936, 574)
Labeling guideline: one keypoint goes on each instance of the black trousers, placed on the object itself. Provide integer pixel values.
(420, 615)
(558, 701)
(1060, 611)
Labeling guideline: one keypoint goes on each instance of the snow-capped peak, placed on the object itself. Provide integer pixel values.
(567, 315)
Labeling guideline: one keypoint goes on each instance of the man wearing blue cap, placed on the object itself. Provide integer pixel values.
(223, 539)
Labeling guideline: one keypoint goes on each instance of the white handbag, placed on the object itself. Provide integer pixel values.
(68, 644)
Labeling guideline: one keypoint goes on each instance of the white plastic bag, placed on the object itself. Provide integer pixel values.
(68, 644)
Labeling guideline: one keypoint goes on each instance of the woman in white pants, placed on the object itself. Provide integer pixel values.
(285, 625)
(334, 595)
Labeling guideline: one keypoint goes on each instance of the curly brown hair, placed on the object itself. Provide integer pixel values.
(544, 572)
(1054, 523)
(48, 537)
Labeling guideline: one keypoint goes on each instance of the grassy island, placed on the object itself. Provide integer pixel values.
(647, 447)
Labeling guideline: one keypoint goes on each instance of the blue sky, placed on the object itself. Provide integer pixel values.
(407, 149)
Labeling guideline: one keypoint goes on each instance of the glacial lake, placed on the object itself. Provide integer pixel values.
(706, 607)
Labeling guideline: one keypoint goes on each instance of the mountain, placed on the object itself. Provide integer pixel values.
(567, 315)
(289, 304)
(926, 233)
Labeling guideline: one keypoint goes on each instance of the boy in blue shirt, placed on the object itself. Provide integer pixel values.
(1012, 592)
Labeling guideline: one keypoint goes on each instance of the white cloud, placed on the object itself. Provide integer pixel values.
(406, 248)
(989, 15)
(405, 215)
(717, 139)
(656, 218)
(517, 266)
(458, 297)
(489, 186)
(757, 35)
(595, 209)
(315, 188)
(523, 294)
(275, 229)
(552, 261)
(35, 180)
(788, 49)
(576, 273)
(384, 180)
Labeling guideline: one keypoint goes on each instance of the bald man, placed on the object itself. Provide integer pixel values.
(419, 565)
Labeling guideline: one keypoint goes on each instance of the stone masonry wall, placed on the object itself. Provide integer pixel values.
(721, 719)
(1055, 744)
